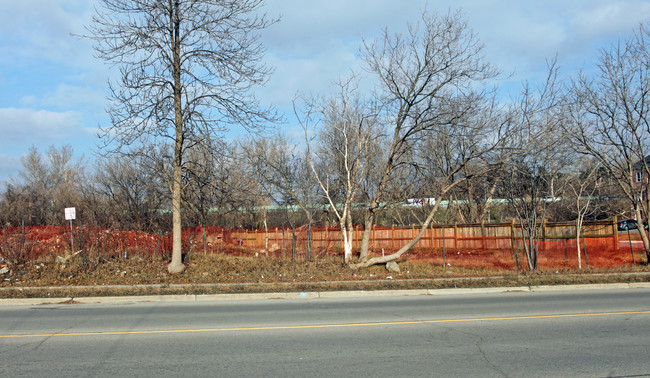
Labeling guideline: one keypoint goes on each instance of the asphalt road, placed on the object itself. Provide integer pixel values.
(594, 333)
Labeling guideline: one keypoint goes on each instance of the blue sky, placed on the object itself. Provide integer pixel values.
(52, 90)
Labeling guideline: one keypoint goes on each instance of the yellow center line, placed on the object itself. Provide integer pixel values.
(144, 332)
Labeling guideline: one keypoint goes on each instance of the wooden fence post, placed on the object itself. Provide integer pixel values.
(483, 247)
(513, 242)
(444, 251)
(283, 246)
(412, 232)
(327, 236)
(615, 233)
(512, 236)
(456, 235)
(544, 234)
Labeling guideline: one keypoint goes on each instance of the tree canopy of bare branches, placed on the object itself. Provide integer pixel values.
(609, 119)
(430, 89)
(187, 70)
(429, 80)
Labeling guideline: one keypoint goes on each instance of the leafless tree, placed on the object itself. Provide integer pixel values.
(531, 176)
(133, 194)
(583, 184)
(430, 81)
(49, 183)
(344, 151)
(284, 173)
(203, 179)
(429, 119)
(187, 69)
(610, 119)
(427, 90)
(477, 194)
(527, 186)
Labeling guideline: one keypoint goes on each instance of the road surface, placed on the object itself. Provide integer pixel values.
(591, 333)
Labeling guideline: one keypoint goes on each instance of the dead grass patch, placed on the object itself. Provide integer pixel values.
(87, 276)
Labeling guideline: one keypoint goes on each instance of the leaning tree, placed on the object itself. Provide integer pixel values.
(430, 85)
(186, 73)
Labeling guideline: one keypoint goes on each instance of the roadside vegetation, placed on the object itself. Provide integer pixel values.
(225, 273)
(431, 142)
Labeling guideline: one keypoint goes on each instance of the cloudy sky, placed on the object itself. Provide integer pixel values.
(52, 90)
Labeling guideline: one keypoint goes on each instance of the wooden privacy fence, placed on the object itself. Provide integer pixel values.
(483, 236)
(493, 245)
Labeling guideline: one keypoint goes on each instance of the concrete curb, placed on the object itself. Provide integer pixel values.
(370, 293)
(483, 290)
(317, 294)
(581, 287)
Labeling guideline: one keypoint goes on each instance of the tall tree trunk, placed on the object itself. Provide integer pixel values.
(641, 229)
(176, 265)
(471, 202)
(642, 222)
(578, 231)
(364, 248)
(347, 231)
(310, 222)
(294, 241)
(266, 234)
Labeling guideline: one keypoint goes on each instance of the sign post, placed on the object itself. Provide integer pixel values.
(70, 214)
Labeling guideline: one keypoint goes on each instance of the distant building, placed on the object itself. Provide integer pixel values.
(640, 173)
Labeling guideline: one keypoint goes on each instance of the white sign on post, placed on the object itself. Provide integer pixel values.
(70, 213)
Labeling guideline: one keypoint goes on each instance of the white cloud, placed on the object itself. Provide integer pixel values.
(54, 89)
(317, 42)
(24, 127)
(41, 29)
(611, 18)
(71, 96)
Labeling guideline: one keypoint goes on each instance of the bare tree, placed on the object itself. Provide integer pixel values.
(430, 98)
(203, 179)
(610, 119)
(531, 176)
(343, 154)
(581, 189)
(35, 172)
(134, 194)
(285, 174)
(477, 194)
(50, 182)
(527, 185)
(187, 68)
(471, 145)
(428, 80)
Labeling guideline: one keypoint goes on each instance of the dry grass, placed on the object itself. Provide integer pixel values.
(211, 274)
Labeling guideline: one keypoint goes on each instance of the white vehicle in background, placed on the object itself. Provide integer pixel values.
(420, 201)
